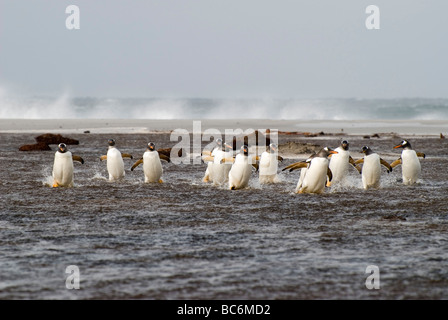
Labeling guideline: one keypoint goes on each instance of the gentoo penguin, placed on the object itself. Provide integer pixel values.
(241, 169)
(268, 164)
(314, 173)
(410, 164)
(371, 168)
(152, 167)
(218, 172)
(63, 166)
(115, 164)
(339, 163)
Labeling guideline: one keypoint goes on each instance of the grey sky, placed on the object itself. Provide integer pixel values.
(226, 48)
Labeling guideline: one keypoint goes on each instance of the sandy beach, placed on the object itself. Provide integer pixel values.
(359, 127)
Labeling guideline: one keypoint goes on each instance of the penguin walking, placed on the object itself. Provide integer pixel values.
(241, 169)
(314, 173)
(63, 166)
(371, 168)
(340, 163)
(410, 164)
(268, 165)
(217, 172)
(152, 166)
(115, 164)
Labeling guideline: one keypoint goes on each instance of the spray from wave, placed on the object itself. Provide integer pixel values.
(66, 107)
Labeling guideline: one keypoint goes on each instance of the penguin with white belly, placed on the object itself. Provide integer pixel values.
(340, 163)
(115, 164)
(314, 173)
(410, 164)
(63, 166)
(371, 168)
(152, 166)
(268, 165)
(241, 169)
(218, 172)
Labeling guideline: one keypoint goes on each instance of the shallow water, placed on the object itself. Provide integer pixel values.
(185, 239)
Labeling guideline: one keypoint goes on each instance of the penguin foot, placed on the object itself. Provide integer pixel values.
(328, 183)
(232, 188)
(206, 179)
(55, 185)
(160, 181)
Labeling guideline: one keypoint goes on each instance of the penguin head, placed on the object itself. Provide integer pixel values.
(218, 142)
(325, 152)
(344, 144)
(245, 150)
(366, 150)
(62, 148)
(272, 147)
(111, 142)
(151, 146)
(403, 144)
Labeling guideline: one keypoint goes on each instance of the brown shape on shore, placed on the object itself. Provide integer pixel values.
(256, 135)
(50, 138)
(167, 152)
(40, 146)
(298, 148)
(43, 142)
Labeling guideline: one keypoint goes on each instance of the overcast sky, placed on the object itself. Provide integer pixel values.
(225, 48)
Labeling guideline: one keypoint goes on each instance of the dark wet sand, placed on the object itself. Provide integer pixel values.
(185, 239)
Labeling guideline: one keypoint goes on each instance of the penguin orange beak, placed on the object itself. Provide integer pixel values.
(399, 146)
(333, 152)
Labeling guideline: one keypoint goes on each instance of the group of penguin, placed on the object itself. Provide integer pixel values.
(320, 170)
(151, 160)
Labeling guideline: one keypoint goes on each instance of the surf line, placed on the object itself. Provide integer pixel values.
(194, 310)
(234, 137)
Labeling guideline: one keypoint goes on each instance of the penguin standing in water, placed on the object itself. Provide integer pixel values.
(63, 167)
(152, 166)
(314, 173)
(340, 162)
(268, 165)
(371, 168)
(218, 172)
(410, 164)
(115, 164)
(241, 169)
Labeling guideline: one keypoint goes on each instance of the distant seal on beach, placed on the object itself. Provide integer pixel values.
(63, 166)
(410, 164)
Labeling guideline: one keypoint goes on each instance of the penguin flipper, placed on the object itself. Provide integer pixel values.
(295, 166)
(386, 164)
(354, 164)
(329, 174)
(227, 160)
(359, 161)
(164, 157)
(208, 158)
(78, 158)
(104, 157)
(127, 155)
(206, 153)
(421, 154)
(396, 163)
(255, 165)
(136, 164)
